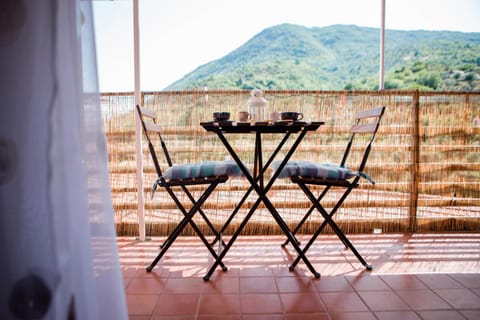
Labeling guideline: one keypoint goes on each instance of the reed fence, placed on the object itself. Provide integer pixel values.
(425, 160)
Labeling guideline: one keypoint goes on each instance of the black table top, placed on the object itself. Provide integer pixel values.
(263, 127)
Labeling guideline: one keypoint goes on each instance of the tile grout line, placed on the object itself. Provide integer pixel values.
(360, 297)
(396, 293)
(436, 293)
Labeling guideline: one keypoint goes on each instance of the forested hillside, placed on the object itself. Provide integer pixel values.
(293, 57)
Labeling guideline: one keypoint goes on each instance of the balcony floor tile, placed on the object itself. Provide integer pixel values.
(413, 277)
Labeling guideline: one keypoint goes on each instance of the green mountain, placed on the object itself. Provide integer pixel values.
(293, 57)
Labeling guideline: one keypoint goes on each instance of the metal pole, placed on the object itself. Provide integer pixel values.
(138, 130)
(381, 80)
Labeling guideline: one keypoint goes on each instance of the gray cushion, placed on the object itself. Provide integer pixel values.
(326, 171)
(203, 169)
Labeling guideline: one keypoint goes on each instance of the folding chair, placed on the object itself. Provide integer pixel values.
(329, 175)
(210, 174)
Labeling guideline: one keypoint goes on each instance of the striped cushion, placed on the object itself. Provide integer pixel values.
(203, 169)
(326, 171)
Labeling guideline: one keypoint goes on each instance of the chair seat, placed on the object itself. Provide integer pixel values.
(324, 171)
(202, 170)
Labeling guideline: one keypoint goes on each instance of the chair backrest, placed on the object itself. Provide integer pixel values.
(148, 119)
(366, 123)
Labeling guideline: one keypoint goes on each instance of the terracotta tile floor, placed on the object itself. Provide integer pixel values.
(414, 276)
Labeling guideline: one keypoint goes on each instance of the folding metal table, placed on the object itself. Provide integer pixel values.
(256, 179)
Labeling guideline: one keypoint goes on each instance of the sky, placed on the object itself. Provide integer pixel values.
(177, 36)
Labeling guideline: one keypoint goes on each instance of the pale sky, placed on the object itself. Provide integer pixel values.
(177, 36)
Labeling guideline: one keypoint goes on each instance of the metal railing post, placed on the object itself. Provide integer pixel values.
(381, 76)
(138, 130)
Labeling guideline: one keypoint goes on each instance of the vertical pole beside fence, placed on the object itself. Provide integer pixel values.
(381, 76)
(138, 130)
(414, 163)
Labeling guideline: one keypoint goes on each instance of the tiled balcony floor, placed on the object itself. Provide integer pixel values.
(414, 276)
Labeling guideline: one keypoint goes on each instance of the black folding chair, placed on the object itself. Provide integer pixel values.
(328, 175)
(210, 174)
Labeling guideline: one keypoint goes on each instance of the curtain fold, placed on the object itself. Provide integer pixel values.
(58, 249)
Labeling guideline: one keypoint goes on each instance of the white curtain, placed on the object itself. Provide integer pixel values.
(58, 253)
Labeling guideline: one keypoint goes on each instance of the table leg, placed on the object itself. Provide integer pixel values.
(262, 195)
(259, 159)
(245, 196)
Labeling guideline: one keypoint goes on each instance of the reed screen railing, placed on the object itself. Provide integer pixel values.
(425, 159)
